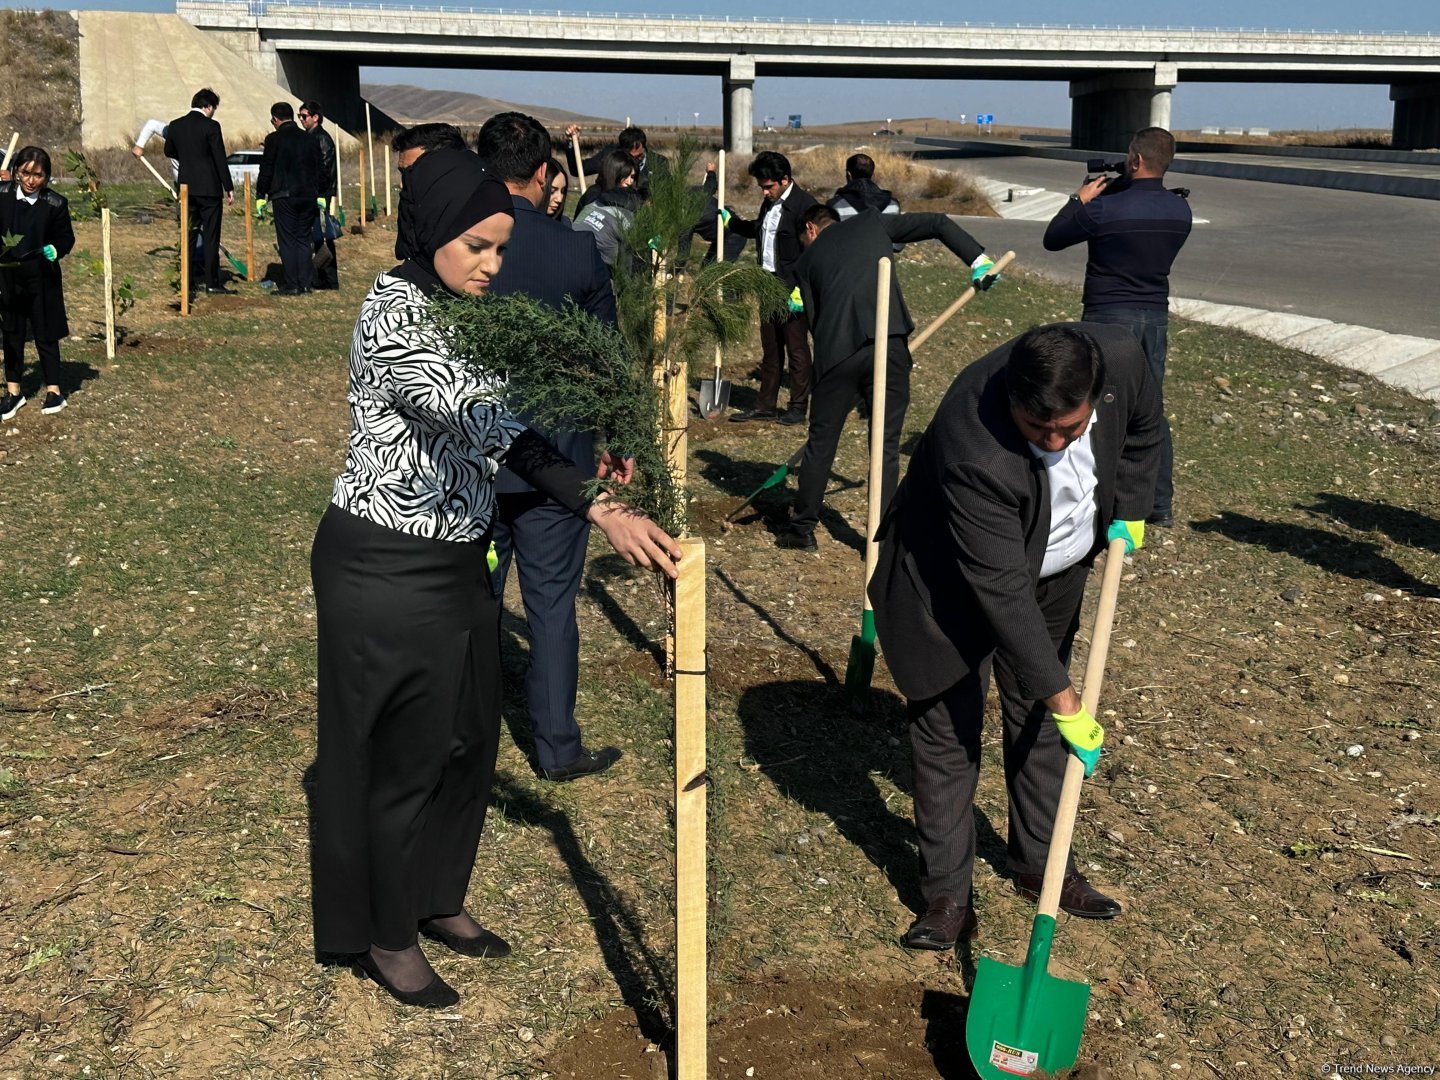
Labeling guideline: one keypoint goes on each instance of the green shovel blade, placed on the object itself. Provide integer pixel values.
(861, 668)
(1024, 1021)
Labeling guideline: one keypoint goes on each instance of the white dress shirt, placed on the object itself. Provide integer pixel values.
(1071, 473)
(769, 227)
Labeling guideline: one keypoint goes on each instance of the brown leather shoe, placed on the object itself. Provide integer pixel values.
(944, 923)
(1077, 896)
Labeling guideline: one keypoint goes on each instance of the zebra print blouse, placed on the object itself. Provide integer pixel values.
(428, 435)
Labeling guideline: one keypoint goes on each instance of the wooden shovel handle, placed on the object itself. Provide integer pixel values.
(877, 421)
(579, 162)
(9, 151)
(163, 182)
(964, 298)
(1074, 768)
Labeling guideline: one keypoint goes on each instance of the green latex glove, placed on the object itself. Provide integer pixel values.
(321, 202)
(725, 217)
(980, 275)
(260, 205)
(50, 253)
(1083, 735)
(492, 558)
(796, 304)
(1132, 532)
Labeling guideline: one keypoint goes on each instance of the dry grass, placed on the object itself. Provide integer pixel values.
(39, 77)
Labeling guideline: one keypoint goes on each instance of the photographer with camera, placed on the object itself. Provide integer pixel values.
(1134, 228)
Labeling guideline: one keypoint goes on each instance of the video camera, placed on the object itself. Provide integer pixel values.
(1100, 167)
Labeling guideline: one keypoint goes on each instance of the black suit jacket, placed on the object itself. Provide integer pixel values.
(290, 166)
(32, 288)
(787, 236)
(549, 261)
(964, 539)
(837, 275)
(195, 141)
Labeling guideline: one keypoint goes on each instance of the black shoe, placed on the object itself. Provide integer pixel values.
(1161, 519)
(10, 404)
(944, 923)
(437, 994)
(798, 539)
(588, 763)
(486, 944)
(791, 417)
(286, 290)
(53, 404)
(219, 289)
(1077, 895)
(746, 415)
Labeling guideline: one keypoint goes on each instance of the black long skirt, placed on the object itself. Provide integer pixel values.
(409, 724)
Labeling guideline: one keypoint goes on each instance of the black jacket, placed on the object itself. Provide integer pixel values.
(787, 237)
(837, 276)
(32, 290)
(649, 164)
(197, 145)
(860, 195)
(963, 541)
(327, 161)
(290, 167)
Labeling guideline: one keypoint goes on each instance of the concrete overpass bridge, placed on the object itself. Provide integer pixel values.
(1121, 79)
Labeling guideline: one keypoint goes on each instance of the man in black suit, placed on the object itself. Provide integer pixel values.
(327, 273)
(1034, 449)
(289, 179)
(548, 261)
(837, 275)
(776, 232)
(197, 144)
(631, 141)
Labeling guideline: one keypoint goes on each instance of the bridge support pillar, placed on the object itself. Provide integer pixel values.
(329, 79)
(1106, 111)
(738, 91)
(1417, 116)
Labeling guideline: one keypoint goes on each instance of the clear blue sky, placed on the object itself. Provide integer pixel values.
(656, 99)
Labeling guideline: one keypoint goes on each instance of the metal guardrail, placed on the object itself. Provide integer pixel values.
(258, 9)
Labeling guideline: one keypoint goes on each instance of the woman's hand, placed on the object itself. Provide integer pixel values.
(638, 539)
(615, 467)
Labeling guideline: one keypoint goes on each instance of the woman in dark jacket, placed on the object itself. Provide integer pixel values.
(408, 632)
(32, 301)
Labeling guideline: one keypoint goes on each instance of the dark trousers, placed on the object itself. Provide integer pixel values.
(22, 316)
(830, 403)
(294, 224)
(779, 337)
(547, 543)
(945, 741)
(205, 211)
(408, 727)
(1150, 326)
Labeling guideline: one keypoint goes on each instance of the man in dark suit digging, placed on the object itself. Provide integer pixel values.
(1039, 452)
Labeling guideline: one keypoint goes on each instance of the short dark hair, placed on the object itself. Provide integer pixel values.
(1054, 370)
(282, 110)
(860, 166)
(1156, 146)
(29, 155)
(615, 166)
(819, 215)
(513, 146)
(768, 165)
(630, 138)
(313, 108)
(205, 98)
(429, 137)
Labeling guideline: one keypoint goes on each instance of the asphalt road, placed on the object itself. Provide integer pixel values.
(1370, 260)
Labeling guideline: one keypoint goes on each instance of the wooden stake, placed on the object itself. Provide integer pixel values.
(249, 232)
(184, 249)
(9, 151)
(388, 213)
(109, 284)
(370, 149)
(579, 163)
(690, 782)
(339, 180)
(361, 172)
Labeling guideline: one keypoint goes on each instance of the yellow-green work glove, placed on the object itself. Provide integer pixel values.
(796, 304)
(50, 253)
(1084, 736)
(1132, 532)
(322, 202)
(492, 558)
(260, 205)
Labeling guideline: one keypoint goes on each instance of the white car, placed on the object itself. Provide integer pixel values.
(244, 163)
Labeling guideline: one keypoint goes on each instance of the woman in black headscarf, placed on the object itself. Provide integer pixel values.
(409, 666)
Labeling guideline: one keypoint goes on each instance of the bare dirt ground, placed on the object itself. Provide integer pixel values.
(1266, 809)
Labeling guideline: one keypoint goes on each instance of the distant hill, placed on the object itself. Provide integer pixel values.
(415, 105)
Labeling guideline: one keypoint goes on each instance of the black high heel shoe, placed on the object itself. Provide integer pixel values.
(437, 994)
(485, 945)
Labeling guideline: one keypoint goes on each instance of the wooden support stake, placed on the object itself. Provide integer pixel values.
(339, 179)
(388, 212)
(184, 249)
(109, 284)
(361, 171)
(579, 162)
(369, 149)
(690, 783)
(249, 232)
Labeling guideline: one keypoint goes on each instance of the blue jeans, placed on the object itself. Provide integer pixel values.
(1149, 326)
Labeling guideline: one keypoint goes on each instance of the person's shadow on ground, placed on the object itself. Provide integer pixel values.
(1404, 526)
